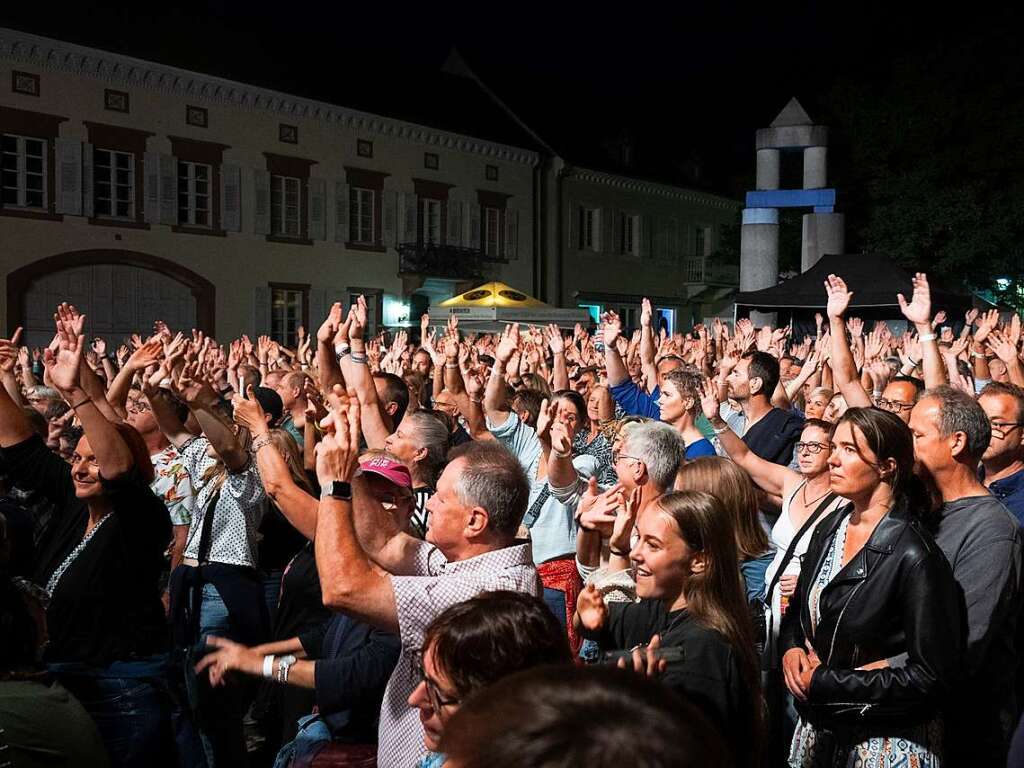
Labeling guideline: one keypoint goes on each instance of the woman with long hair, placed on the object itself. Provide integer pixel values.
(691, 599)
(733, 487)
(874, 587)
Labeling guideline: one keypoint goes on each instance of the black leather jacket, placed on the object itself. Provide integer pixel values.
(896, 596)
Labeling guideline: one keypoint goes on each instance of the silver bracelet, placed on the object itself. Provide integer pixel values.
(268, 666)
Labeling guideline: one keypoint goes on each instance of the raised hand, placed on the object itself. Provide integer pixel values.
(146, 355)
(644, 660)
(247, 412)
(590, 608)
(330, 324)
(555, 341)
(939, 319)
(337, 455)
(709, 402)
(99, 346)
(970, 316)
(1000, 345)
(357, 317)
(612, 328)
(64, 366)
(10, 353)
(625, 521)
(986, 322)
(919, 309)
(838, 296)
(597, 511)
(646, 313)
(509, 343)
(855, 326)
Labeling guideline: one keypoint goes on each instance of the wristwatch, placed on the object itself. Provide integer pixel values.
(338, 489)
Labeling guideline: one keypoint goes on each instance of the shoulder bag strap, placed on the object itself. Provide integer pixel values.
(205, 535)
(808, 523)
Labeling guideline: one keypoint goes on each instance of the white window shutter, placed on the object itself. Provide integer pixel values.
(399, 218)
(454, 236)
(168, 189)
(511, 233)
(151, 167)
(231, 198)
(474, 226)
(410, 217)
(261, 311)
(390, 215)
(340, 211)
(317, 214)
(261, 201)
(69, 176)
(87, 190)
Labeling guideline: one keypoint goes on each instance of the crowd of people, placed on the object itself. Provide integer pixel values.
(730, 547)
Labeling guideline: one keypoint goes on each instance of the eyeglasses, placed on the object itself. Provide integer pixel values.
(137, 406)
(893, 406)
(1001, 429)
(616, 456)
(812, 448)
(433, 692)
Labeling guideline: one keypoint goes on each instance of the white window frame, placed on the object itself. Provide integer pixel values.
(492, 231)
(187, 186)
(702, 245)
(431, 212)
(110, 179)
(362, 203)
(279, 223)
(21, 180)
(630, 234)
(281, 329)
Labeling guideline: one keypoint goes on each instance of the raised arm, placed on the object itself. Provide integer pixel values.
(201, 401)
(647, 361)
(356, 370)
(844, 370)
(298, 506)
(918, 311)
(772, 478)
(327, 347)
(143, 357)
(613, 363)
(14, 426)
(348, 579)
(112, 454)
(560, 372)
(495, 407)
(9, 355)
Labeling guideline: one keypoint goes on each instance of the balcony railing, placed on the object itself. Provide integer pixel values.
(707, 270)
(447, 261)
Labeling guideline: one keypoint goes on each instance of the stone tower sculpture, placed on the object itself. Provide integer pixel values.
(823, 229)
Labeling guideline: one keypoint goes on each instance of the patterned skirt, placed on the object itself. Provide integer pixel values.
(915, 747)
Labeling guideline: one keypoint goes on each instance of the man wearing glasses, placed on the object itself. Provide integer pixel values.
(1003, 461)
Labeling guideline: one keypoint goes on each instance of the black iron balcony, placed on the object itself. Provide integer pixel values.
(448, 261)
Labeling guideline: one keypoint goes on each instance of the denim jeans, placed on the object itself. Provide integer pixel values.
(132, 714)
(555, 601)
(208, 721)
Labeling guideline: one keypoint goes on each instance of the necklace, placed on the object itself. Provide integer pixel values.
(813, 501)
(51, 585)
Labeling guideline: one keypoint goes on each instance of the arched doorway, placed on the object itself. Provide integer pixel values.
(121, 292)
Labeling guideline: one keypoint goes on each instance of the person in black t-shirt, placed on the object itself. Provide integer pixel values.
(770, 432)
(688, 581)
(99, 561)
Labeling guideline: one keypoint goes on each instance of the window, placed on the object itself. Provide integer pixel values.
(590, 228)
(702, 241)
(286, 313)
(432, 221)
(113, 184)
(630, 235)
(194, 194)
(285, 206)
(361, 218)
(492, 233)
(23, 167)
(364, 148)
(594, 310)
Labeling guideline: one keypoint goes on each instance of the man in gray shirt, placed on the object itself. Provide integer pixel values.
(983, 543)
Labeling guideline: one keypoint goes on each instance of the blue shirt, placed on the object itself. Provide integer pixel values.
(1010, 491)
(698, 448)
(635, 401)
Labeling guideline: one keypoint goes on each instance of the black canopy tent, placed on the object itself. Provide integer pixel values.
(873, 279)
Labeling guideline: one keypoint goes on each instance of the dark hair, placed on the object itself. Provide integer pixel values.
(528, 400)
(492, 635)
(395, 391)
(764, 367)
(918, 384)
(959, 412)
(889, 438)
(493, 478)
(1010, 390)
(574, 397)
(139, 451)
(821, 424)
(569, 716)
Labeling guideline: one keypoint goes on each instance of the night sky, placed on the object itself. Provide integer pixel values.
(686, 88)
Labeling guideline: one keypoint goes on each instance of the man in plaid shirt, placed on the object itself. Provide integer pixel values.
(374, 571)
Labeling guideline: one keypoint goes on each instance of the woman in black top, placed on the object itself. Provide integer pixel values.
(691, 598)
(100, 562)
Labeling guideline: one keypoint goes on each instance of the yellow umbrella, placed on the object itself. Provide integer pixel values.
(493, 294)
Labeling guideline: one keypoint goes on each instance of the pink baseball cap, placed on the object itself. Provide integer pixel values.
(389, 469)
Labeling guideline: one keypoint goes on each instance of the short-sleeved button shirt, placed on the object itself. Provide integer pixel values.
(421, 598)
(172, 485)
